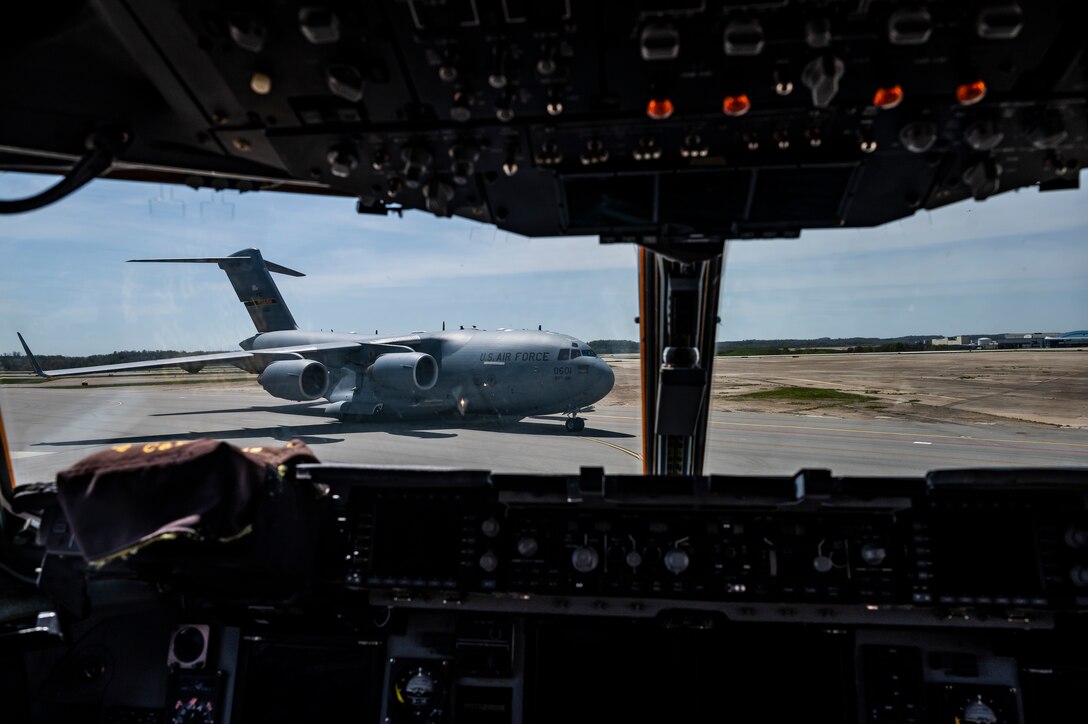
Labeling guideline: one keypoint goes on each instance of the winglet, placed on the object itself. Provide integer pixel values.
(30, 355)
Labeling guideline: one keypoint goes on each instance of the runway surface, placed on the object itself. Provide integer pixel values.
(49, 429)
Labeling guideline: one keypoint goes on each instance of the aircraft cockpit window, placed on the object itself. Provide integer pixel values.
(457, 391)
(782, 362)
(997, 332)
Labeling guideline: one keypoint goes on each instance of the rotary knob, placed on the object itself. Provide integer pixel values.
(873, 554)
(584, 559)
(633, 559)
(1076, 538)
(677, 561)
(490, 527)
(822, 564)
(528, 547)
(489, 562)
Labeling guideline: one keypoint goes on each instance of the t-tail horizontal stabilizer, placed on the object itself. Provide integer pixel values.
(249, 275)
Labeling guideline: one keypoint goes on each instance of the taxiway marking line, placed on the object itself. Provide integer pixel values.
(617, 447)
(875, 432)
(933, 457)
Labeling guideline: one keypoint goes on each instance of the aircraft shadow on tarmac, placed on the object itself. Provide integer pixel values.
(399, 426)
(318, 433)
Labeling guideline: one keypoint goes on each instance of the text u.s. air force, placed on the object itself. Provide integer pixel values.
(515, 356)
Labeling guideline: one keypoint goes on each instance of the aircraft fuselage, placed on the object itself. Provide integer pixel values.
(507, 372)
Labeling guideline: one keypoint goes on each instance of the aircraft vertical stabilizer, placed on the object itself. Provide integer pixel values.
(249, 275)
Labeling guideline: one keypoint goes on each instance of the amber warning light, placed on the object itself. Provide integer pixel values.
(971, 93)
(736, 105)
(887, 98)
(659, 108)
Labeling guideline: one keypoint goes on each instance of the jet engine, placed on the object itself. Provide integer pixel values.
(405, 371)
(300, 380)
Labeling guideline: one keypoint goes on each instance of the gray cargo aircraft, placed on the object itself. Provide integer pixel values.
(508, 373)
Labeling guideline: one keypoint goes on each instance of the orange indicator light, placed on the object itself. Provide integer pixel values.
(736, 105)
(890, 97)
(971, 93)
(659, 108)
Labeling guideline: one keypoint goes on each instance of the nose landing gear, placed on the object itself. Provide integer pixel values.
(575, 423)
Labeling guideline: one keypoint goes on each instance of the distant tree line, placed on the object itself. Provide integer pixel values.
(18, 362)
(749, 351)
(613, 346)
(822, 345)
(886, 347)
(859, 344)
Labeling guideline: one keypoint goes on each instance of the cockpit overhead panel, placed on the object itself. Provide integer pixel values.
(635, 122)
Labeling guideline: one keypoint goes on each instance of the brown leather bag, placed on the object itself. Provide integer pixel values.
(128, 496)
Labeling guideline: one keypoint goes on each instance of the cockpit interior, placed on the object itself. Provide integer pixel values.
(193, 580)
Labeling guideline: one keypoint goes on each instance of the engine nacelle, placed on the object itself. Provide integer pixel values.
(300, 380)
(405, 371)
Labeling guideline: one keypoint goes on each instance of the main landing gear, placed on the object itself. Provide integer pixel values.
(575, 423)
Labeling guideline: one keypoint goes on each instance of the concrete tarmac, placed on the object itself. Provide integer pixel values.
(49, 429)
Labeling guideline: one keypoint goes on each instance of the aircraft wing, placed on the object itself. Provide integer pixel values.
(302, 351)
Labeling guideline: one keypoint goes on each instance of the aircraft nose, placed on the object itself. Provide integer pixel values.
(601, 380)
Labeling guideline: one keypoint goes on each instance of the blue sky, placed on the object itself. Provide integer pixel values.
(1017, 262)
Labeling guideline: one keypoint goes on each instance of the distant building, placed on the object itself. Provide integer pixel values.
(958, 341)
(1021, 340)
(1077, 338)
(1011, 340)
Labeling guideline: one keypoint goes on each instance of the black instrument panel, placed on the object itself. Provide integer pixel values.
(1000, 547)
(449, 596)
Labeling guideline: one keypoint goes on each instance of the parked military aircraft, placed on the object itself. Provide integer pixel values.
(509, 373)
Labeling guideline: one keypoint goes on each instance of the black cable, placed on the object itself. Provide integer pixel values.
(104, 145)
(5, 547)
(33, 581)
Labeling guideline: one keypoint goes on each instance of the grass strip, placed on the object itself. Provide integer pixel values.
(804, 394)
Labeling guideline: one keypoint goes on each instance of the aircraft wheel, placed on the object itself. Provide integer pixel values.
(579, 424)
(570, 425)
